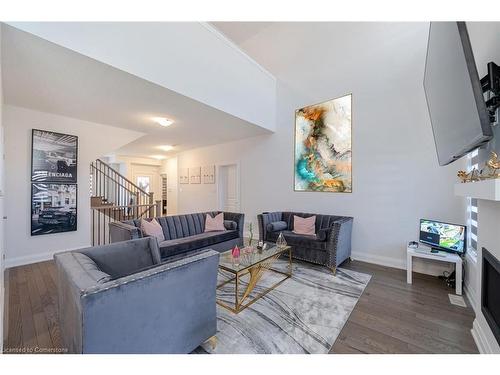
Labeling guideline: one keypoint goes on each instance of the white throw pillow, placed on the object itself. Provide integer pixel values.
(213, 224)
(152, 228)
(304, 225)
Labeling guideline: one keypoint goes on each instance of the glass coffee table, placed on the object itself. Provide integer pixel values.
(254, 263)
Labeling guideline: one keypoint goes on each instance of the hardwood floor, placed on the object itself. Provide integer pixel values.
(390, 317)
(394, 317)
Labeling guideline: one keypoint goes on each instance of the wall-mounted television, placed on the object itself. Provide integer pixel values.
(443, 236)
(458, 113)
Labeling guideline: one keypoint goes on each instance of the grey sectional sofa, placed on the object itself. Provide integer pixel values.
(185, 234)
(120, 298)
(329, 247)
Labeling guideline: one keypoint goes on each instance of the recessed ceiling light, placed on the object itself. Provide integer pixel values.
(166, 147)
(158, 157)
(163, 121)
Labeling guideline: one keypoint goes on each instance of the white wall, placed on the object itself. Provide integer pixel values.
(396, 177)
(94, 140)
(191, 58)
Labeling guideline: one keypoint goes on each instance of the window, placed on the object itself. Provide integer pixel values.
(144, 183)
(472, 162)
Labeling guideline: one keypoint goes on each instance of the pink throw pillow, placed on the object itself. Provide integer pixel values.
(216, 223)
(304, 225)
(152, 228)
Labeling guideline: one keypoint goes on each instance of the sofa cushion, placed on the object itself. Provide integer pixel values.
(125, 258)
(276, 226)
(181, 245)
(304, 225)
(300, 240)
(322, 221)
(91, 268)
(322, 234)
(152, 228)
(230, 225)
(214, 224)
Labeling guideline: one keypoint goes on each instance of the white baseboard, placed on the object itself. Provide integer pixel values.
(432, 268)
(471, 296)
(481, 339)
(35, 258)
(380, 260)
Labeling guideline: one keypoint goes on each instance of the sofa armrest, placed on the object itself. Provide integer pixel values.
(264, 219)
(339, 241)
(147, 313)
(238, 218)
(119, 231)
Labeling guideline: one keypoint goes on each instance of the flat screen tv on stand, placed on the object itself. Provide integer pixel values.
(441, 236)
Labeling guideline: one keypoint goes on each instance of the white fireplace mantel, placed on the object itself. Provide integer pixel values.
(486, 189)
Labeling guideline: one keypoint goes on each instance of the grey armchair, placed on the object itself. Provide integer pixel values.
(119, 298)
(329, 247)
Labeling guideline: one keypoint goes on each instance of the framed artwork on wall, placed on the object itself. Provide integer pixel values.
(208, 174)
(183, 176)
(323, 154)
(54, 157)
(53, 208)
(195, 175)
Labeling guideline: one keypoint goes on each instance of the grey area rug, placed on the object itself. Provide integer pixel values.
(305, 314)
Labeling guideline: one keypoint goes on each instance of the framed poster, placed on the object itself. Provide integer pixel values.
(183, 176)
(323, 147)
(195, 175)
(53, 208)
(54, 157)
(208, 173)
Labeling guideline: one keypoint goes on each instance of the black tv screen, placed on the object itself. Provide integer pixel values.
(443, 236)
(457, 109)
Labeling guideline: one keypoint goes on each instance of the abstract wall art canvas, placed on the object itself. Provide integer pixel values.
(323, 146)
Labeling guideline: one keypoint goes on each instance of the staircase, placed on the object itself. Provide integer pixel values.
(113, 197)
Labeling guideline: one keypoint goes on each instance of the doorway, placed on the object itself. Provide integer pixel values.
(228, 188)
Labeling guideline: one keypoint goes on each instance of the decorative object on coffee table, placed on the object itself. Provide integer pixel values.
(235, 253)
(255, 266)
(250, 230)
(281, 242)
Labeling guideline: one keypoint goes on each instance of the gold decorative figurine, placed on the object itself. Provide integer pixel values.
(491, 168)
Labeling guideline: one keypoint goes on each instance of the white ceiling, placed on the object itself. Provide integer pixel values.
(240, 32)
(302, 53)
(44, 76)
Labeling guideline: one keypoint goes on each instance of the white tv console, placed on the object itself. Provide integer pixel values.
(425, 252)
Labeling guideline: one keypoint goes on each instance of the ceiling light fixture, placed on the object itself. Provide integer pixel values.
(163, 121)
(158, 157)
(166, 147)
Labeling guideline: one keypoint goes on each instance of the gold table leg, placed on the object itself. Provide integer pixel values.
(255, 274)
